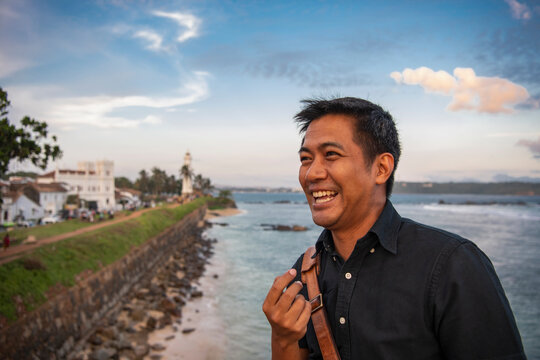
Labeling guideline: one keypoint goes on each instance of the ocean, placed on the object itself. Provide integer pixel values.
(506, 228)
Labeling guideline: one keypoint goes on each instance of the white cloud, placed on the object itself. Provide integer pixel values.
(519, 10)
(68, 113)
(468, 91)
(190, 22)
(433, 81)
(154, 40)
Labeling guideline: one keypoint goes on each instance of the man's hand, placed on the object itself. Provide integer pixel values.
(288, 313)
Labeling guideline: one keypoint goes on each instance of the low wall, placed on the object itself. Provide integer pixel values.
(51, 331)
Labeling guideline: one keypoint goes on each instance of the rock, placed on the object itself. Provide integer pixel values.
(167, 305)
(196, 293)
(141, 350)
(281, 227)
(151, 323)
(157, 347)
(31, 239)
(95, 340)
(109, 333)
(188, 330)
(164, 321)
(102, 354)
(138, 314)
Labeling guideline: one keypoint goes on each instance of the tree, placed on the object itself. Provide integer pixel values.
(143, 182)
(226, 194)
(28, 142)
(202, 184)
(186, 171)
(123, 182)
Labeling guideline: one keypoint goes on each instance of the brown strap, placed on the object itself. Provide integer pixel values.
(310, 270)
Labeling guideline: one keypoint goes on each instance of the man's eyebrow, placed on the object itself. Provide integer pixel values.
(322, 146)
(333, 144)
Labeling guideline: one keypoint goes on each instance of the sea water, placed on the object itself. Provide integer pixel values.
(506, 228)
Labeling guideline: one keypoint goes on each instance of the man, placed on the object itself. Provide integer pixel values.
(392, 288)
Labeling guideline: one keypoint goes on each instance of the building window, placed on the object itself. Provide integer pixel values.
(107, 201)
(107, 172)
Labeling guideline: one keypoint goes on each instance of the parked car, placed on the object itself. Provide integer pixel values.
(53, 219)
(26, 223)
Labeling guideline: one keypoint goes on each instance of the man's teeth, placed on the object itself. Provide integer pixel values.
(323, 196)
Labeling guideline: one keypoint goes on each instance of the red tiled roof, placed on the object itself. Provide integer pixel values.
(52, 187)
(68, 172)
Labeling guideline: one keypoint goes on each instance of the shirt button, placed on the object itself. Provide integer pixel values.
(333, 257)
(342, 320)
(372, 250)
(348, 276)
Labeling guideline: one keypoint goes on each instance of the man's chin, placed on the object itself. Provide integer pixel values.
(323, 221)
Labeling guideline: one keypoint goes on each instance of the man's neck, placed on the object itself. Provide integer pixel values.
(345, 239)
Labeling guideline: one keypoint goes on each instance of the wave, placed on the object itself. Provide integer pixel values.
(506, 211)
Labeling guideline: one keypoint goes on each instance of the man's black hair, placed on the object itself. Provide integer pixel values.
(376, 131)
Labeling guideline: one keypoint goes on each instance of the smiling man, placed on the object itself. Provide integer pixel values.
(392, 288)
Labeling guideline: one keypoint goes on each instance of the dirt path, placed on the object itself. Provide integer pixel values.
(15, 252)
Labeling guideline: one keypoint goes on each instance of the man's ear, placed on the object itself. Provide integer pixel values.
(385, 165)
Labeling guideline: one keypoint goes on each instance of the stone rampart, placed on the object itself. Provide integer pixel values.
(52, 330)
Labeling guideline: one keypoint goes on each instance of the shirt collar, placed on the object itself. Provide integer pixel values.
(386, 229)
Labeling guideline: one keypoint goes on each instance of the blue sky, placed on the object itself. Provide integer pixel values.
(141, 82)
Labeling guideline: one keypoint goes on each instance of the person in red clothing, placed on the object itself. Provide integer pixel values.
(6, 242)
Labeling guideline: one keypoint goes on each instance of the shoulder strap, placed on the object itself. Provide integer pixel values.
(310, 270)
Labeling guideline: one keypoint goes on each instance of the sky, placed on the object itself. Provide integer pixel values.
(142, 82)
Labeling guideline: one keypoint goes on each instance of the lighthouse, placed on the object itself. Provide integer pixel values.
(187, 174)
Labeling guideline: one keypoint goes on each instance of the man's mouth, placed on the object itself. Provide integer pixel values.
(323, 196)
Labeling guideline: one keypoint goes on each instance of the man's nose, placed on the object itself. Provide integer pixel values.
(316, 171)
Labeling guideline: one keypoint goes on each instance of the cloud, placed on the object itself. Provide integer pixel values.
(519, 10)
(154, 40)
(101, 111)
(468, 91)
(433, 81)
(190, 22)
(300, 68)
(532, 145)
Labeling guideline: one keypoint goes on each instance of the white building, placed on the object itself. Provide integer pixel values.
(18, 206)
(52, 197)
(93, 182)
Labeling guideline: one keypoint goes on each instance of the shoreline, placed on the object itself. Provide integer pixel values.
(201, 335)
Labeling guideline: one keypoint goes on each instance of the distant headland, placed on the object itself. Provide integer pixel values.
(404, 187)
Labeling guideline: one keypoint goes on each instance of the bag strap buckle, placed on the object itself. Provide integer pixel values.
(316, 303)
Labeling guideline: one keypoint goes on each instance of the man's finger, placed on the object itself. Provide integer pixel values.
(288, 297)
(278, 286)
(306, 314)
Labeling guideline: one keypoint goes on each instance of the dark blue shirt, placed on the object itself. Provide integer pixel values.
(410, 291)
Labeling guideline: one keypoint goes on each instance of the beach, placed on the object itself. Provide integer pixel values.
(201, 333)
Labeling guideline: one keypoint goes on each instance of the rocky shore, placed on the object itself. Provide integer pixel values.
(158, 303)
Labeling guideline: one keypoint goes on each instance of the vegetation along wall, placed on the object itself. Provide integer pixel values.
(52, 329)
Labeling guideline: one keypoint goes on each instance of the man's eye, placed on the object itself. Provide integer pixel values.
(331, 154)
(304, 158)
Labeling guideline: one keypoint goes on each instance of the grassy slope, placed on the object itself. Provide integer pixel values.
(63, 260)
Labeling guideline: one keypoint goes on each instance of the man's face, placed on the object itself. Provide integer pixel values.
(338, 184)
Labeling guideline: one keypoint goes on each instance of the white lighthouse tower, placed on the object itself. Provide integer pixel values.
(187, 173)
